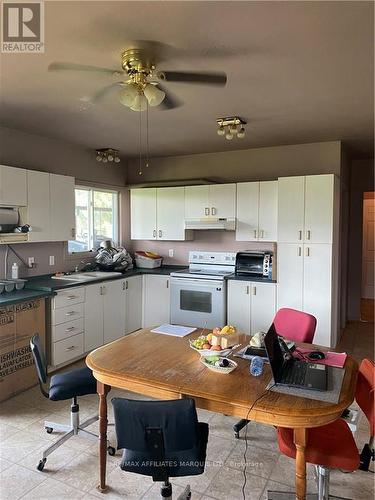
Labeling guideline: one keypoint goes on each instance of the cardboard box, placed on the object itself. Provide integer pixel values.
(18, 323)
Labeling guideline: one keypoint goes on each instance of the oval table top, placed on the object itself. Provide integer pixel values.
(165, 367)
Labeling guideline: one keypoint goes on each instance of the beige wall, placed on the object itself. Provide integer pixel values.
(244, 165)
(20, 149)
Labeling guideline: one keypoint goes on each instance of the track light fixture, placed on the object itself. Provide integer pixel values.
(231, 126)
(106, 155)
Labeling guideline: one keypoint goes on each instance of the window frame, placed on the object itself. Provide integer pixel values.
(116, 220)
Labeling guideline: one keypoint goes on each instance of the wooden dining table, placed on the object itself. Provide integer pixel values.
(165, 367)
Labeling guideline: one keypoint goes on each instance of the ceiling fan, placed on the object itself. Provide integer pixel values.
(143, 87)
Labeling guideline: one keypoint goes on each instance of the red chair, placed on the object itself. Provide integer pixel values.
(293, 325)
(332, 446)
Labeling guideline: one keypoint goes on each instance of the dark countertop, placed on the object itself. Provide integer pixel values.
(237, 277)
(9, 298)
(47, 284)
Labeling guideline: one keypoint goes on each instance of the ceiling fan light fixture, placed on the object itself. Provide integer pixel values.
(140, 103)
(230, 127)
(229, 136)
(221, 130)
(153, 94)
(128, 95)
(241, 133)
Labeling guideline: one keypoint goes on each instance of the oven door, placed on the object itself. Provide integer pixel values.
(198, 302)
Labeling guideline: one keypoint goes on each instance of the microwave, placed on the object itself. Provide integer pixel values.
(256, 264)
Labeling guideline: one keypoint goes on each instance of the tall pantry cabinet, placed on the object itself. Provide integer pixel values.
(307, 251)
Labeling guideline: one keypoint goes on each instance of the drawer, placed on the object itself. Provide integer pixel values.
(67, 349)
(68, 297)
(68, 313)
(64, 330)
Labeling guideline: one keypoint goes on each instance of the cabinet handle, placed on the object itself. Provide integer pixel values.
(262, 234)
(160, 233)
(255, 233)
(247, 290)
(127, 285)
(73, 232)
(308, 234)
(167, 283)
(70, 313)
(154, 233)
(207, 211)
(70, 329)
(124, 285)
(213, 211)
(254, 290)
(71, 297)
(299, 251)
(300, 235)
(70, 348)
(307, 252)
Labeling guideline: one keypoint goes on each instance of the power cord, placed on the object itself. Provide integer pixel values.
(244, 454)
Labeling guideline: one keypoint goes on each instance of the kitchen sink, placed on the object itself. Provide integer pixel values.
(89, 276)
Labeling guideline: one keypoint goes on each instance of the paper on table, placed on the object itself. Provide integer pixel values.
(336, 359)
(175, 330)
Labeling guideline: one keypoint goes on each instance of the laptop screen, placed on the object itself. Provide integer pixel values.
(274, 353)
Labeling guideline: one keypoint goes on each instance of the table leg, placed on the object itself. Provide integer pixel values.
(102, 390)
(300, 440)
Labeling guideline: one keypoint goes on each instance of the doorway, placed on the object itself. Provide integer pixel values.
(368, 256)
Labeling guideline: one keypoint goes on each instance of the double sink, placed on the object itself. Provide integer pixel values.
(88, 276)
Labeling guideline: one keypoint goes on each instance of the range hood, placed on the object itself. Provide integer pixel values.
(211, 223)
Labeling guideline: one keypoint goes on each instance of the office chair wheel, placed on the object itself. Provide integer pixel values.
(49, 430)
(41, 464)
(111, 451)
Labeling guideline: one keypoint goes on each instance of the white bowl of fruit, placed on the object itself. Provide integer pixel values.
(219, 341)
(219, 364)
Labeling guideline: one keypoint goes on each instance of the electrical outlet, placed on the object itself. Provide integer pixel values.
(31, 262)
(171, 252)
(51, 260)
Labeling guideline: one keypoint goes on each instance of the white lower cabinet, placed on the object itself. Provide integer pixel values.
(114, 308)
(133, 317)
(305, 283)
(93, 317)
(156, 300)
(251, 305)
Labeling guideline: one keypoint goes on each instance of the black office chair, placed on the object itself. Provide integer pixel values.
(161, 439)
(68, 385)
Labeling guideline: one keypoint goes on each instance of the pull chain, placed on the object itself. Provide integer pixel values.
(147, 148)
(140, 143)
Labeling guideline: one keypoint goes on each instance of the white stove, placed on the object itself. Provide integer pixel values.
(198, 294)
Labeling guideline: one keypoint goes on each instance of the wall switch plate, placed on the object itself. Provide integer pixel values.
(51, 260)
(171, 252)
(31, 261)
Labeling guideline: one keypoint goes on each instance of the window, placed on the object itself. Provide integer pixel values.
(96, 219)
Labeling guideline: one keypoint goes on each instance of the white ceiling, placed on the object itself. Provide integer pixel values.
(297, 72)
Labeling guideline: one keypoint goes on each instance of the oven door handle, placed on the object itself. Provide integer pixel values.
(196, 281)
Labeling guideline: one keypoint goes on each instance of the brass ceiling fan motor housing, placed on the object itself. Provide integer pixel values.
(137, 65)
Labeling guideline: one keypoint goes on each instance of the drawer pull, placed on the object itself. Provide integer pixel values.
(71, 297)
(254, 290)
(70, 313)
(247, 290)
(70, 329)
(70, 348)
(300, 235)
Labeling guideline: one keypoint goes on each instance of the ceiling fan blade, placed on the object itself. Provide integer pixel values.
(106, 91)
(170, 101)
(207, 78)
(62, 66)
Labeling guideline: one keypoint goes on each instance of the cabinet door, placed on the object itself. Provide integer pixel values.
(196, 202)
(319, 208)
(247, 211)
(289, 275)
(290, 209)
(38, 205)
(133, 317)
(114, 309)
(156, 305)
(263, 306)
(93, 317)
(171, 213)
(222, 199)
(238, 304)
(62, 207)
(143, 214)
(317, 299)
(268, 211)
(13, 191)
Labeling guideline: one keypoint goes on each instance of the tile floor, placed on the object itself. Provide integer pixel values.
(72, 471)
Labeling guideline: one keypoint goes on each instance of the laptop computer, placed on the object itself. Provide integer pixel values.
(289, 371)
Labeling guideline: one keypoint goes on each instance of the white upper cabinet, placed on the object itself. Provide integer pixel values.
(170, 209)
(38, 205)
(222, 200)
(215, 200)
(143, 214)
(306, 209)
(256, 211)
(62, 207)
(319, 192)
(291, 211)
(197, 203)
(158, 214)
(13, 186)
